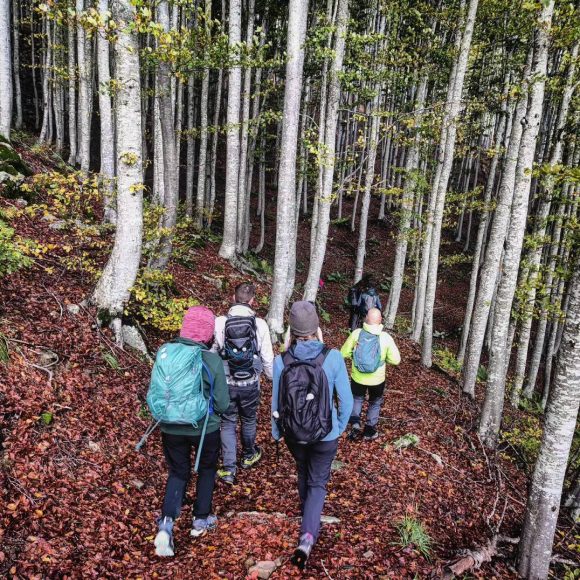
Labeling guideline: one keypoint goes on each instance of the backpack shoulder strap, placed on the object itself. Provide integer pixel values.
(322, 355)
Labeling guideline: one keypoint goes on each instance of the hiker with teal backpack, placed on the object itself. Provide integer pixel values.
(187, 394)
(371, 349)
(308, 378)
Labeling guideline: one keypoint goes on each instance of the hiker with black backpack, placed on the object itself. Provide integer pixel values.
(187, 394)
(361, 298)
(371, 349)
(308, 378)
(243, 341)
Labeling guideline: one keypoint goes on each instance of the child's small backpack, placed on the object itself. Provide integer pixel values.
(304, 406)
(175, 394)
(367, 352)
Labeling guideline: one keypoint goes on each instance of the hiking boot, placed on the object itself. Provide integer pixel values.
(227, 476)
(203, 525)
(370, 433)
(355, 432)
(164, 538)
(302, 552)
(251, 460)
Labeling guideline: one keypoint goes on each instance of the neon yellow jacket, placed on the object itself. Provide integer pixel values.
(389, 354)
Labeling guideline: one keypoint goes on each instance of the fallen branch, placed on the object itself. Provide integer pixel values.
(473, 559)
(325, 570)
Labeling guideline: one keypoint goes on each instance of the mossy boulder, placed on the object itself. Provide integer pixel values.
(11, 163)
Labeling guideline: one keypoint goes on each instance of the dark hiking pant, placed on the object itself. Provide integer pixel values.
(244, 402)
(375, 401)
(177, 450)
(313, 463)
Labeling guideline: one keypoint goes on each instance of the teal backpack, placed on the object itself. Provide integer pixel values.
(367, 352)
(175, 394)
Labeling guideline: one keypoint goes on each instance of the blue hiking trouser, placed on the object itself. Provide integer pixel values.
(313, 463)
(177, 450)
(244, 401)
(376, 393)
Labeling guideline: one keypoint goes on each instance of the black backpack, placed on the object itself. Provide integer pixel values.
(304, 406)
(367, 301)
(240, 346)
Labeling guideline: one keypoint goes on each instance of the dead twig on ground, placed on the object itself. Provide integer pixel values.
(325, 570)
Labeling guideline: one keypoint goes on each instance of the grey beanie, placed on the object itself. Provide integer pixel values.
(303, 318)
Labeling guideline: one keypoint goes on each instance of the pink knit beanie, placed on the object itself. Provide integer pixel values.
(198, 324)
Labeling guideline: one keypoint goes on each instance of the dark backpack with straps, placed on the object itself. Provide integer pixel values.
(240, 346)
(304, 405)
(366, 302)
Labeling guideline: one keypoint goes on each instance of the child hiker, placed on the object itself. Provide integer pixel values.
(371, 350)
(186, 370)
(306, 379)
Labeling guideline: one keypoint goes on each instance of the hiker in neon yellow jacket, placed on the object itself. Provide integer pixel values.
(371, 350)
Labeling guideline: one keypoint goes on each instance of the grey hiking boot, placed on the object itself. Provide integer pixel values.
(251, 460)
(164, 538)
(355, 432)
(203, 525)
(302, 552)
(227, 476)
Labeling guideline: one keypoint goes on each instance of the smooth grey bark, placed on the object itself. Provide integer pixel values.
(162, 253)
(492, 410)
(369, 178)
(489, 268)
(6, 95)
(228, 247)
(450, 124)
(202, 166)
(331, 116)
(406, 210)
(16, 63)
(106, 120)
(72, 91)
(543, 504)
(58, 97)
(46, 129)
(482, 228)
(190, 151)
(262, 194)
(285, 231)
(84, 56)
(33, 65)
(113, 288)
(243, 192)
(539, 233)
(214, 145)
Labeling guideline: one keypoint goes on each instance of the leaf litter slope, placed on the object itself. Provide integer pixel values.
(78, 501)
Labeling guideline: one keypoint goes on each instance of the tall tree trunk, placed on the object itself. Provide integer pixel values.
(369, 178)
(450, 123)
(190, 153)
(16, 61)
(5, 71)
(319, 249)
(228, 247)
(85, 91)
(489, 269)
(106, 118)
(72, 92)
(214, 144)
(543, 505)
(492, 410)
(113, 288)
(285, 231)
(411, 165)
(162, 253)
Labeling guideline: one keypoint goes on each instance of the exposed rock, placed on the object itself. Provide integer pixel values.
(58, 225)
(21, 202)
(11, 162)
(369, 555)
(336, 465)
(249, 563)
(137, 483)
(263, 569)
(330, 520)
(132, 337)
(73, 309)
(94, 446)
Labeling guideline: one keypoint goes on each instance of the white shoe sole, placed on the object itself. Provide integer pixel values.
(197, 533)
(163, 544)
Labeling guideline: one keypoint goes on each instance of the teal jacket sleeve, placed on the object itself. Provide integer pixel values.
(277, 371)
(343, 391)
(221, 391)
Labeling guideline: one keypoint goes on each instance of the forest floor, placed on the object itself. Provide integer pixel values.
(78, 501)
